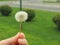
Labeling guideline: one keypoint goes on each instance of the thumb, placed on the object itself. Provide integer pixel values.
(14, 38)
(11, 40)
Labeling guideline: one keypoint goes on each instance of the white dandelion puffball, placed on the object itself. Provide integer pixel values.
(21, 16)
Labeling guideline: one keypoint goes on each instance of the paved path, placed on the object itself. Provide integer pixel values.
(34, 4)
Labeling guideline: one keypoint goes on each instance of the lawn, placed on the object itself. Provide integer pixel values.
(3, 0)
(40, 31)
(7, 0)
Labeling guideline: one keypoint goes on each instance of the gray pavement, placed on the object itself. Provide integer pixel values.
(34, 4)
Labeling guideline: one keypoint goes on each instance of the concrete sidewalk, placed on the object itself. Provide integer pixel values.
(53, 5)
(34, 5)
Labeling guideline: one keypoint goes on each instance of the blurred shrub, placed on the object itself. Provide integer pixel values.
(31, 14)
(58, 0)
(56, 20)
(5, 10)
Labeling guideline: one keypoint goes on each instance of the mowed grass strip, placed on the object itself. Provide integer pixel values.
(40, 31)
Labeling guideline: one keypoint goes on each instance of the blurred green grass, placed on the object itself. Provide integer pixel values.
(3, 0)
(7, 0)
(40, 31)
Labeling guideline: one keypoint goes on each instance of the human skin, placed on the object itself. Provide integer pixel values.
(18, 39)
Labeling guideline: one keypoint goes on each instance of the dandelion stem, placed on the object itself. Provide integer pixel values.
(21, 27)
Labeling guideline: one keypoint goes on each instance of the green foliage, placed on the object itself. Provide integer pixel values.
(5, 10)
(56, 20)
(31, 14)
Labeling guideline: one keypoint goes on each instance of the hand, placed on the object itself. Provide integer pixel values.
(19, 39)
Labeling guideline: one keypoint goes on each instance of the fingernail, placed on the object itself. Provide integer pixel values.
(22, 35)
